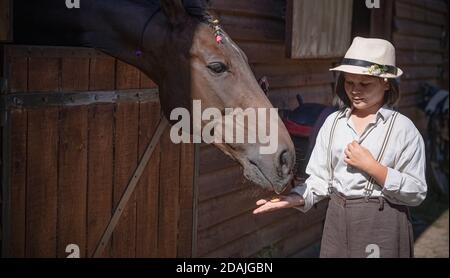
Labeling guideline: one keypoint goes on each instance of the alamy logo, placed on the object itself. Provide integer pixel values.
(373, 251)
(373, 4)
(71, 4)
(227, 127)
(73, 250)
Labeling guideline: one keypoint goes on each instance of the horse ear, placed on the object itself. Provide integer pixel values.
(264, 84)
(174, 11)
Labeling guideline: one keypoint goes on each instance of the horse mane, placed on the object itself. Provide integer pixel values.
(198, 9)
(195, 8)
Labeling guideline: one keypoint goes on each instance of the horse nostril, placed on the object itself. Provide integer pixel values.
(284, 162)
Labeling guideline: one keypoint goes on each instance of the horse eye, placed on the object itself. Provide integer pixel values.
(218, 67)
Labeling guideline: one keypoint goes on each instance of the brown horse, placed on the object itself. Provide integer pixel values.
(174, 43)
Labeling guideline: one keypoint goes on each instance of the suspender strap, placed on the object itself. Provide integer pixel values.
(329, 160)
(368, 189)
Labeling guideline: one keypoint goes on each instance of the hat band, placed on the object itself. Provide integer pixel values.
(372, 68)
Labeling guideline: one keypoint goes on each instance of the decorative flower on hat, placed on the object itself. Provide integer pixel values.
(377, 70)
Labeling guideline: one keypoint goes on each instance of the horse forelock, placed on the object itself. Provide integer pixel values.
(194, 8)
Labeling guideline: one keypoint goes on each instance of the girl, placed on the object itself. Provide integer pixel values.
(368, 159)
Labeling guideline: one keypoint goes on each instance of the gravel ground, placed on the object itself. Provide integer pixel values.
(433, 242)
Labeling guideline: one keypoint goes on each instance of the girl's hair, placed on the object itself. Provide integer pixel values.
(391, 96)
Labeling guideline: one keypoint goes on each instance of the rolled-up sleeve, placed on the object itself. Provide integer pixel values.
(315, 187)
(405, 183)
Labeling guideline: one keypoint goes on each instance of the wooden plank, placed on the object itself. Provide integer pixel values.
(411, 28)
(242, 28)
(249, 8)
(125, 162)
(148, 186)
(421, 72)
(195, 201)
(431, 5)
(241, 225)
(417, 115)
(300, 80)
(264, 52)
(217, 210)
(101, 73)
(41, 200)
(146, 82)
(212, 159)
(72, 179)
(39, 51)
(186, 195)
(44, 74)
(264, 237)
(75, 74)
(273, 55)
(16, 246)
(407, 11)
(361, 19)
(409, 100)
(221, 182)
(5, 20)
(288, 30)
(100, 174)
(286, 98)
(413, 86)
(294, 67)
(127, 76)
(407, 58)
(402, 42)
(381, 20)
(168, 197)
(18, 74)
(293, 243)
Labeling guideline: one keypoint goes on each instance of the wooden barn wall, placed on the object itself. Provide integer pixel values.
(226, 226)
(420, 34)
(69, 165)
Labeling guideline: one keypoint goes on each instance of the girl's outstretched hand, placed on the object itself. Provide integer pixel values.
(279, 202)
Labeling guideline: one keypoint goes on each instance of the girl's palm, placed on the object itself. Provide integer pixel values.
(278, 202)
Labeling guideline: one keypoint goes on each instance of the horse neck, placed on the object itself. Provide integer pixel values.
(114, 27)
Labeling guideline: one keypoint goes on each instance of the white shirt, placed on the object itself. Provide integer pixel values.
(404, 157)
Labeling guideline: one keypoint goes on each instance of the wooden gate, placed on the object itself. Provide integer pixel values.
(75, 124)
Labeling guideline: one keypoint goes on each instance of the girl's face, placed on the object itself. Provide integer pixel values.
(365, 91)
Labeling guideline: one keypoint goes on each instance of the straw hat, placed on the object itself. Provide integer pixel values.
(375, 57)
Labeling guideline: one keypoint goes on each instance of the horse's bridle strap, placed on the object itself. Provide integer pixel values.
(141, 39)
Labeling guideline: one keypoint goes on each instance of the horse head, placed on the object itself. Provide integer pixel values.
(201, 62)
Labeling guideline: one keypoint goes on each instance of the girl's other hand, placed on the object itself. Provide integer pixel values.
(359, 157)
(279, 202)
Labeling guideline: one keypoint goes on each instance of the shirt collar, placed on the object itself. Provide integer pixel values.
(384, 112)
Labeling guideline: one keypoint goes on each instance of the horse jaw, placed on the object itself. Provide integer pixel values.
(253, 171)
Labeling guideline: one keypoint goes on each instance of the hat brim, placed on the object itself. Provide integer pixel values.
(364, 71)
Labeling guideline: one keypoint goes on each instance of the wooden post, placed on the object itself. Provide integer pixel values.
(5, 20)
(381, 20)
